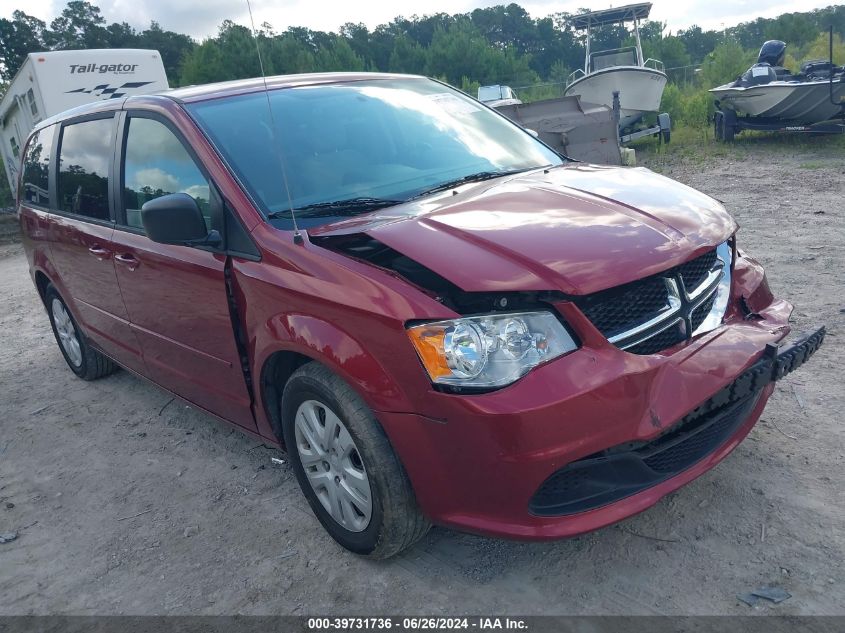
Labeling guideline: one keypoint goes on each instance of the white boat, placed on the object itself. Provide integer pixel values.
(639, 82)
(768, 90)
(496, 95)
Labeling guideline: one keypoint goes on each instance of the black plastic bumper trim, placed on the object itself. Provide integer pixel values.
(624, 470)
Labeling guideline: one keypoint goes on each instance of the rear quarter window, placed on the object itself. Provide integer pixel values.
(36, 168)
(85, 155)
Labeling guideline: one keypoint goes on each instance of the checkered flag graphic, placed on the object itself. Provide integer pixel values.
(110, 92)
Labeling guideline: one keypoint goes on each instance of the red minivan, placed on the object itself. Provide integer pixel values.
(437, 316)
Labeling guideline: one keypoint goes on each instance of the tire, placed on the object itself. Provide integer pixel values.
(83, 360)
(393, 521)
(666, 135)
(719, 126)
(723, 126)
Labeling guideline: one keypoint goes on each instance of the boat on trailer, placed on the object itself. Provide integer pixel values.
(638, 82)
(770, 97)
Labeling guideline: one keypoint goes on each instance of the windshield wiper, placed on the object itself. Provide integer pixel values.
(350, 207)
(476, 177)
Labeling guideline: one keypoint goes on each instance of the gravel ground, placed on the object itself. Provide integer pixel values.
(128, 502)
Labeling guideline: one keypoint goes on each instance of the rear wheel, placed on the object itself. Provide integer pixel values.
(719, 126)
(346, 466)
(723, 126)
(83, 360)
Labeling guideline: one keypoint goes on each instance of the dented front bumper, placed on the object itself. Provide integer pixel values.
(624, 470)
(478, 462)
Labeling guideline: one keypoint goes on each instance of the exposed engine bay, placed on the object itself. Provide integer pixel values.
(363, 247)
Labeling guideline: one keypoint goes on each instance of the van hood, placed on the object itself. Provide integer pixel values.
(575, 229)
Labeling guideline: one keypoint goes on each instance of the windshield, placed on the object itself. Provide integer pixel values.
(377, 140)
(615, 57)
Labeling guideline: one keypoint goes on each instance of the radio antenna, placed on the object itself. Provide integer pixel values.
(297, 236)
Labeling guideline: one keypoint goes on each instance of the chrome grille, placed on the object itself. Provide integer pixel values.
(695, 271)
(652, 314)
(633, 303)
(672, 335)
(700, 313)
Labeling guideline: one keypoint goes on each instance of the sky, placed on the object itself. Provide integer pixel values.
(200, 18)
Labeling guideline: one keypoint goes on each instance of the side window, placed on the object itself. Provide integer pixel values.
(36, 168)
(84, 156)
(30, 97)
(156, 164)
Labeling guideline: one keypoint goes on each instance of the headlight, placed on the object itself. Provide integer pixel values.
(489, 351)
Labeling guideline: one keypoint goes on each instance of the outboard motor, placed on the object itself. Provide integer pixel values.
(772, 53)
(769, 66)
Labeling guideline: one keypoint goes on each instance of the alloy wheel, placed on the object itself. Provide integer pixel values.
(68, 336)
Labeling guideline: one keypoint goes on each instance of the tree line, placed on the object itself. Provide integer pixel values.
(500, 44)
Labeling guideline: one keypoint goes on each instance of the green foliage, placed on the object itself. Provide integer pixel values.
(80, 25)
(538, 92)
(203, 64)
(687, 106)
(792, 27)
(559, 72)
(500, 44)
(461, 51)
(819, 48)
(727, 62)
(21, 35)
(469, 87)
(407, 56)
(670, 50)
(172, 47)
(337, 55)
(287, 55)
(697, 42)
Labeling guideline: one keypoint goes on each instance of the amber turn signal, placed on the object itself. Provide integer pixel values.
(429, 343)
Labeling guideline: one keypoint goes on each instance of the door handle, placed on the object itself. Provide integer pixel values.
(99, 252)
(128, 260)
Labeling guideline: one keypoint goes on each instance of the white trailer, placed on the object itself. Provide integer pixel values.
(49, 83)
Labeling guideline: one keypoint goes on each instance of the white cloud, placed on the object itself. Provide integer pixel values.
(198, 191)
(87, 145)
(155, 178)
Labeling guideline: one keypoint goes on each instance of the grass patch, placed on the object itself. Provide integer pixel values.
(693, 144)
(698, 145)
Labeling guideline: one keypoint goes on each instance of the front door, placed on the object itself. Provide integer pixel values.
(176, 295)
(80, 239)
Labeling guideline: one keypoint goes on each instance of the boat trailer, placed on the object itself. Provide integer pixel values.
(727, 124)
(662, 130)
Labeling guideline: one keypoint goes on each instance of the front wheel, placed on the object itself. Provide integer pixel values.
(346, 467)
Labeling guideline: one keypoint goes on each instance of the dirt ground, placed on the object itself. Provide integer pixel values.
(220, 530)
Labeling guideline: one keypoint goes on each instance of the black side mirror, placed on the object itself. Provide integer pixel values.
(176, 219)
